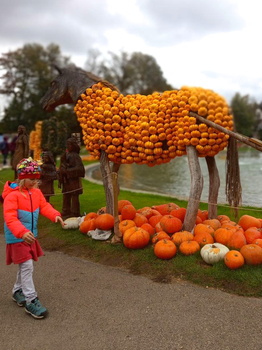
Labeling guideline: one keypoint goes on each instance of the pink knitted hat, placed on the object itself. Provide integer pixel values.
(27, 168)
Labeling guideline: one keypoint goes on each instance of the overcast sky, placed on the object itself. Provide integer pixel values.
(215, 44)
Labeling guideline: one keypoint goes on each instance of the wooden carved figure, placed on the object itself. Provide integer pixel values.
(48, 175)
(21, 147)
(71, 171)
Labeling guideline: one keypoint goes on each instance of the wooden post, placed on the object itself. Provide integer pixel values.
(214, 184)
(107, 182)
(117, 235)
(195, 189)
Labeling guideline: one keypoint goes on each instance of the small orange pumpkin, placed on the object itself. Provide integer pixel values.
(203, 238)
(252, 233)
(128, 212)
(104, 222)
(222, 235)
(140, 219)
(181, 236)
(189, 247)
(91, 215)
(165, 249)
(247, 221)
(237, 240)
(125, 224)
(202, 228)
(136, 238)
(150, 229)
(234, 259)
(160, 235)
(122, 203)
(87, 225)
(170, 224)
(252, 254)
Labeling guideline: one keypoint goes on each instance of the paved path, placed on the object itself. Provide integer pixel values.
(96, 307)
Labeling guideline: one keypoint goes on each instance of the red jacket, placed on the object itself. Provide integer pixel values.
(21, 211)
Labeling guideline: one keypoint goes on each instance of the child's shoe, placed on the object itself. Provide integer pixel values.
(36, 309)
(19, 297)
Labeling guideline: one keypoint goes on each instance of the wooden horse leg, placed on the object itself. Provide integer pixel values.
(111, 191)
(195, 190)
(214, 184)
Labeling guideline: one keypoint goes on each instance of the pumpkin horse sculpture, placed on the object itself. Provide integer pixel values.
(151, 130)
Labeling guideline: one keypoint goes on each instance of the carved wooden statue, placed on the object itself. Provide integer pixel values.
(71, 171)
(48, 175)
(21, 147)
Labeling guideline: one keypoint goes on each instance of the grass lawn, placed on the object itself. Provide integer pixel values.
(245, 281)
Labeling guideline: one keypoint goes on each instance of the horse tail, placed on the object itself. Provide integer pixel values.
(233, 183)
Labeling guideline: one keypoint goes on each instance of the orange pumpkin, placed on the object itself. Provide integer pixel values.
(202, 228)
(170, 224)
(104, 222)
(252, 254)
(126, 224)
(247, 221)
(91, 215)
(165, 249)
(87, 225)
(222, 235)
(189, 247)
(234, 259)
(136, 238)
(160, 235)
(252, 233)
(213, 223)
(128, 212)
(122, 203)
(181, 236)
(146, 211)
(150, 229)
(179, 213)
(153, 220)
(237, 240)
(203, 238)
(223, 218)
(140, 219)
(165, 209)
(258, 241)
(203, 214)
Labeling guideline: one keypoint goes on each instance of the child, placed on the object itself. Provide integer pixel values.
(23, 202)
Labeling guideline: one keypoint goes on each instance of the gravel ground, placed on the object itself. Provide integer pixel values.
(97, 307)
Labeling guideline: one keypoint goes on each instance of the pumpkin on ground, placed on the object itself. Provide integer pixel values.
(91, 215)
(150, 229)
(202, 228)
(160, 235)
(212, 253)
(252, 254)
(104, 222)
(128, 212)
(252, 233)
(136, 238)
(247, 221)
(87, 225)
(140, 219)
(125, 224)
(203, 238)
(237, 240)
(165, 209)
(121, 203)
(234, 259)
(72, 223)
(170, 224)
(181, 236)
(223, 235)
(213, 223)
(189, 247)
(165, 249)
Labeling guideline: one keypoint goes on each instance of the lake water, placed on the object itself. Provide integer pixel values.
(174, 178)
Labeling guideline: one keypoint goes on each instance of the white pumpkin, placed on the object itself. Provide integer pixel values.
(212, 253)
(72, 223)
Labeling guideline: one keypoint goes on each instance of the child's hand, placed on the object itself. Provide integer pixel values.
(28, 237)
(58, 218)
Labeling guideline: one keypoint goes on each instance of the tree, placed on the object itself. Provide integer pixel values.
(244, 113)
(28, 72)
(130, 73)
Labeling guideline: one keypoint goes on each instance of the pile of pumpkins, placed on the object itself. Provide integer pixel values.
(236, 243)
